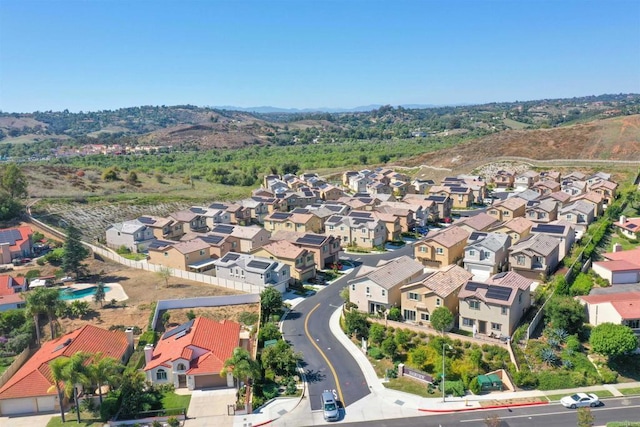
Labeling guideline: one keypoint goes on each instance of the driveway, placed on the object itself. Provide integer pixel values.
(209, 408)
(29, 421)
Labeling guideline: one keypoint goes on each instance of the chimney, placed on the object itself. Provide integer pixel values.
(617, 247)
(129, 333)
(148, 353)
(623, 219)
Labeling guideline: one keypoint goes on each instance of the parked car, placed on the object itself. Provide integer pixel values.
(66, 279)
(20, 261)
(579, 400)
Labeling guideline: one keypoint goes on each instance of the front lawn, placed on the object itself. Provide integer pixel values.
(171, 400)
(410, 386)
(86, 420)
(626, 243)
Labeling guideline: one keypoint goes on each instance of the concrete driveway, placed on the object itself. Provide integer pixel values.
(209, 408)
(28, 421)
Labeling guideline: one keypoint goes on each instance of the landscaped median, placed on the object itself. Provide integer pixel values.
(494, 404)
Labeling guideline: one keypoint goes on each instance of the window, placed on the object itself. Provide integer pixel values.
(201, 251)
(331, 227)
(439, 251)
(467, 322)
(472, 252)
(520, 259)
(634, 324)
(414, 296)
(364, 230)
(368, 291)
(569, 216)
(423, 249)
(504, 310)
(438, 301)
(161, 374)
(474, 304)
(505, 213)
(410, 315)
(353, 287)
(496, 326)
(166, 254)
(384, 292)
(424, 316)
(181, 367)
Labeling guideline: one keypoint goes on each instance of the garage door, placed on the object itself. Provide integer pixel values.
(480, 273)
(46, 404)
(18, 406)
(625, 277)
(209, 381)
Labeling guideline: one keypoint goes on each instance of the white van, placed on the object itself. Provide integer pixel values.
(329, 407)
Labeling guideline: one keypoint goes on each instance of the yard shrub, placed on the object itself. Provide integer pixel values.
(395, 314)
(474, 386)
(525, 378)
(109, 408)
(609, 376)
(582, 285)
(555, 380)
(573, 343)
(375, 353)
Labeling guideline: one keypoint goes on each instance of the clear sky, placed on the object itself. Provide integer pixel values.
(106, 54)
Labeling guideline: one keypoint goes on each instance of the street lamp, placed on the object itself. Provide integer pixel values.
(443, 388)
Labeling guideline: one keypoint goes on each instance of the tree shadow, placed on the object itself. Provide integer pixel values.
(314, 376)
(293, 315)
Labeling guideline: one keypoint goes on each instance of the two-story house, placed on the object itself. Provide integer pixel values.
(249, 237)
(486, 254)
(479, 222)
(433, 290)
(607, 189)
(442, 248)
(562, 231)
(253, 270)
(503, 179)
(541, 211)
(526, 180)
(193, 255)
(366, 232)
(163, 228)
(15, 243)
(595, 199)
(494, 307)
(325, 249)
(379, 290)
(133, 235)
(409, 215)
(516, 228)
(256, 207)
(535, 257)
(301, 261)
(444, 205)
(300, 220)
(578, 213)
(504, 210)
(192, 219)
(546, 186)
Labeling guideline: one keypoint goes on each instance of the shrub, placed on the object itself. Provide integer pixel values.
(395, 314)
(474, 386)
(609, 376)
(375, 353)
(109, 408)
(173, 422)
(525, 378)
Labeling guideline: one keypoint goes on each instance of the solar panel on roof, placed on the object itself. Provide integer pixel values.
(280, 215)
(308, 193)
(146, 220)
(473, 286)
(436, 198)
(548, 228)
(311, 239)
(476, 235)
(10, 236)
(631, 226)
(196, 210)
(212, 240)
(156, 244)
(182, 328)
(217, 206)
(366, 200)
(356, 214)
(300, 210)
(230, 257)
(223, 229)
(459, 189)
(334, 219)
(500, 275)
(499, 292)
(334, 208)
(261, 265)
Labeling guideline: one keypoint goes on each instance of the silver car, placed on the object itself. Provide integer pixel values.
(580, 400)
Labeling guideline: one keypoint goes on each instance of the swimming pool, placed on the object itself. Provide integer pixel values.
(70, 293)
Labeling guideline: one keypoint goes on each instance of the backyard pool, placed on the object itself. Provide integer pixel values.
(70, 293)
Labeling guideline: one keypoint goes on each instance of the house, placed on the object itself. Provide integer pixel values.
(193, 255)
(253, 270)
(607, 189)
(391, 222)
(529, 195)
(301, 261)
(535, 257)
(479, 222)
(330, 192)
(504, 210)
(12, 302)
(460, 195)
(346, 176)
(12, 285)
(597, 177)
(629, 227)
(494, 307)
(526, 180)
(619, 267)
(406, 213)
(503, 179)
(442, 248)
(400, 188)
(250, 237)
(542, 211)
(237, 214)
(192, 219)
(380, 289)
(551, 176)
(546, 186)
(433, 290)
(15, 243)
(133, 235)
(300, 220)
(430, 211)
(573, 187)
(619, 308)
(219, 244)
(559, 197)
(486, 254)
(422, 186)
(444, 205)
(595, 199)
(30, 390)
(325, 249)
(562, 231)
(516, 228)
(214, 216)
(365, 232)
(193, 354)
(574, 176)
(579, 213)
(163, 228)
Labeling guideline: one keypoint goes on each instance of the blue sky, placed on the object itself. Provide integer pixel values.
(97, 54)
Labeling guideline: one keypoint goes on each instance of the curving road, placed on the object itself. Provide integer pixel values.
(327, 364)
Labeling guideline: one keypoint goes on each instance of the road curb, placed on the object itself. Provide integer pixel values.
(484, 407)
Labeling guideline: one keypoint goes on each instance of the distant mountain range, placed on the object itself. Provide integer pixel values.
(363, 108)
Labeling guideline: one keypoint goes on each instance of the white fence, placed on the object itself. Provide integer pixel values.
(168, 304)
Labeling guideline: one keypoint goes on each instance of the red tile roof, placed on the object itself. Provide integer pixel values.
(628, 309)
(34, 377)
(627, 304)
(8, 284)
(632, 256)
(218, 339)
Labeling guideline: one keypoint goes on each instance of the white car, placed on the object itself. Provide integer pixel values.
(579, 400)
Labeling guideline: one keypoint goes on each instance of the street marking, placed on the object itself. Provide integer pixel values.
(326, 359)
(596, 410)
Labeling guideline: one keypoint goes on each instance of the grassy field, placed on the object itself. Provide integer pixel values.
(514, 124)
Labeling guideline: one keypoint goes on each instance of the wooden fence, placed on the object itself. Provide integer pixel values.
(17, 364)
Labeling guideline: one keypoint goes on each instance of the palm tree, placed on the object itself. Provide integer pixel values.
(99, 295)
(36, 307)
(53, 304)
(103, 370)
(241, 366)
(57, 367)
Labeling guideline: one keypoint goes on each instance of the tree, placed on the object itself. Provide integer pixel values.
(132, 178)
(44, 301)
(280, 359)
(13, 181)
(240, 365)
(377, 333)
(100, 294)
(344, 294)
(270, 303)
(71, 371)
(441, 319)
(35, 307)
(268, 332)
(395, 314)
(356, 323)
(613, 340)
(585, 417)
(165, 274)
(389, 347)
(74, 252)
(564, 312)
(103, 370)
(132, 393)
(56, 366)
(9, 207)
